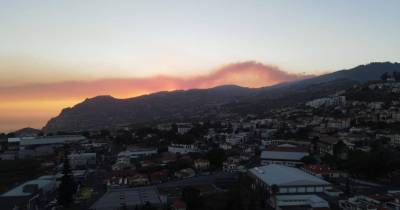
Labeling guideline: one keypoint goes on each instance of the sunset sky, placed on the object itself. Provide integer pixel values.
(54, 54)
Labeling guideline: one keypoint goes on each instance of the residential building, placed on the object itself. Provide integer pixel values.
(321, 170)
(77, 160)
(201, 164)
(327, 101)
(182, 148)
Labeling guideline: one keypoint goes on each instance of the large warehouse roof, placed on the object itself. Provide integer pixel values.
(131, 197)
(286, 176)
(62, 139)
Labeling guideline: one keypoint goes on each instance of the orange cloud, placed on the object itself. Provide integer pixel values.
(48, 98)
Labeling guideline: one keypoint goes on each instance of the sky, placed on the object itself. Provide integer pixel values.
(54, 54)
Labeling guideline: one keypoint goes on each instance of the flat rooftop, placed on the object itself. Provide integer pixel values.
(298, 200)
(51, 140)
(286, 176)
(44, 184)
(130, 197)
(282, 155)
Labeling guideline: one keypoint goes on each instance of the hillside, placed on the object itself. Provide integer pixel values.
(107, 112)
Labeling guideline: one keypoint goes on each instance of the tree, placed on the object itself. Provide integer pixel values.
(339, 150)
(309, 159)
(396, 76)
(216, 157)
(66, 190)
(274, 191)
(384, 76)
(148, 206)
(191, 196)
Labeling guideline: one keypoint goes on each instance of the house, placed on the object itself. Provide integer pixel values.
(122, 163)
(394, 138)
(82, 160)
(159, 176)
(286, 154)
(327, 101)
(164, 127)
(138, 180)
(185, 173)
(289, 180)
(321, 170)
(167, 158)
(235, 139)
(182, 148)
(338, 123)
(184, 127)
(225, 146)
(201, 164)
(3, 143)
(148, 163)
(232, 165)
(9, 155)
(326, 144)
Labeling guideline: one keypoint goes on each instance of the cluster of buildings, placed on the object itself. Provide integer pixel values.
(83, 157)
(282, 152)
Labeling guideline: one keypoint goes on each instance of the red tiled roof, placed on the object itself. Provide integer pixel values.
(318, 168)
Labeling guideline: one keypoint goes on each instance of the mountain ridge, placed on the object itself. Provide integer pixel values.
(108, 112)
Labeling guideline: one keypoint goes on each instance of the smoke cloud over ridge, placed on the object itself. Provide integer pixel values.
(33, 104)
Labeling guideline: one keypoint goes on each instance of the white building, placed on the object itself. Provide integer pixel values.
(82, 159)
(122, 163)
(289, 155)
(136, 152)
(225, 146)
(182, 148)
(327, 101)
(201, 164)
(184, 127)
(238, 138)
(232, 165)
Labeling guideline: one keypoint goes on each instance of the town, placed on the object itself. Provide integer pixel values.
(341, 151)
